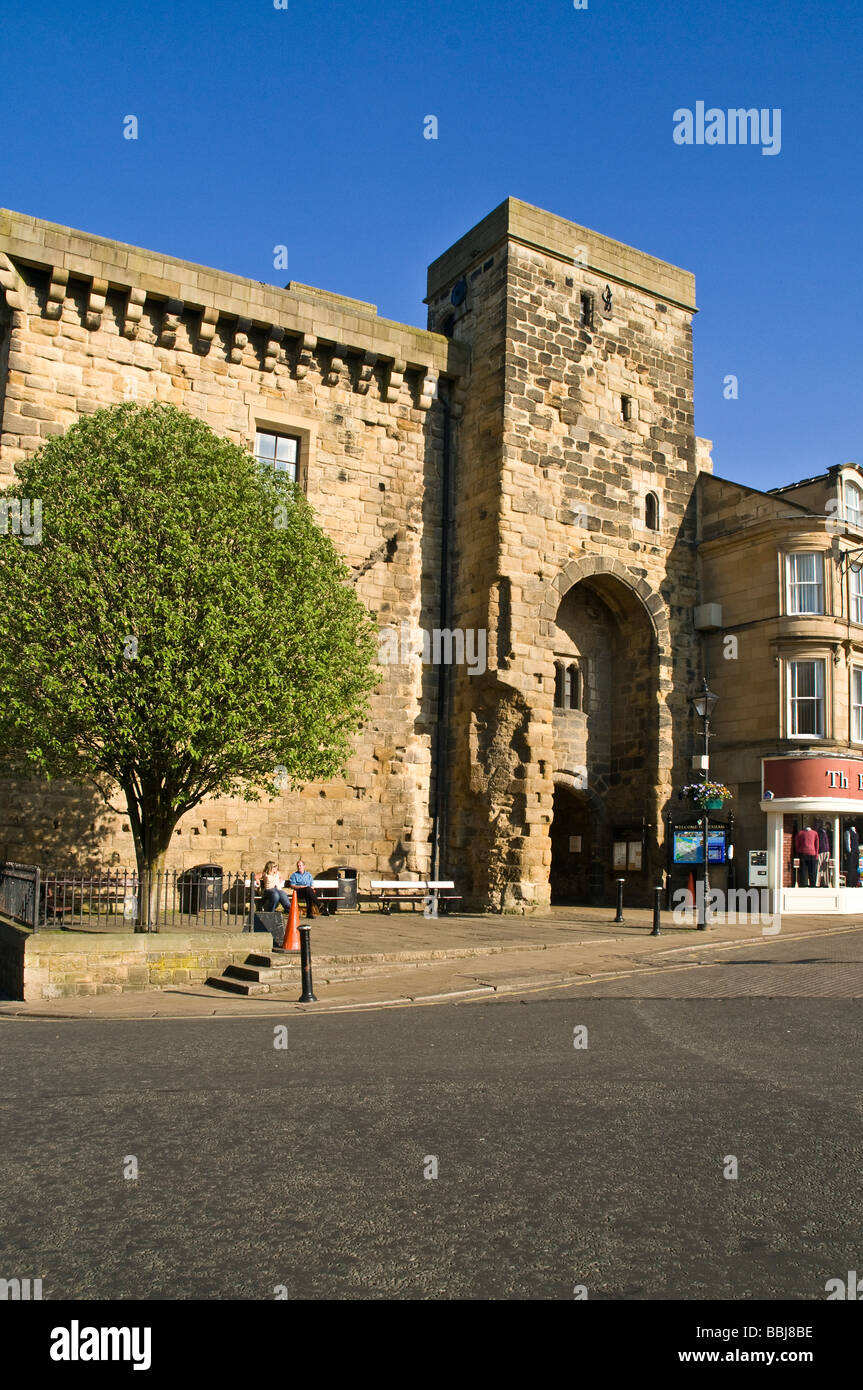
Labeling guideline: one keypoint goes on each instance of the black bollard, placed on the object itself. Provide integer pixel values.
(657, 908)
(308, 995)
(620, 883)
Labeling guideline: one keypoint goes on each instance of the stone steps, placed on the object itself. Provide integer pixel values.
(259, 974)
(264, 972)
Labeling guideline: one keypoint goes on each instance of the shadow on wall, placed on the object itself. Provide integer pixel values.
(399, 859)
(58, 824)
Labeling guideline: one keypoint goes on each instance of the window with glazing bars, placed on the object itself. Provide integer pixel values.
(857, 704)
(855, 589)
(805, 582)
(806, 699)
(279, 453)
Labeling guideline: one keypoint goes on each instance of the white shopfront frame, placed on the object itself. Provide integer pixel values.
(810, 900)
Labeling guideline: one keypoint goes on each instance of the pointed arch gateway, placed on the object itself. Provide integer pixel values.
(612, 756)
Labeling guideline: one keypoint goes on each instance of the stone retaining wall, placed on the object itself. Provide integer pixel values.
(55, 965)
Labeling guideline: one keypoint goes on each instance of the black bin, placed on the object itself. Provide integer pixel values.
(201, 888)
(346, 893)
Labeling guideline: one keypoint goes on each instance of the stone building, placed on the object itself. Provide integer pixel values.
(781, 581)
(521, 477)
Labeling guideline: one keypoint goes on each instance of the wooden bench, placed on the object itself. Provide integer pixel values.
(327, 889)
(414, 891)
(328, 894)
(56, 905)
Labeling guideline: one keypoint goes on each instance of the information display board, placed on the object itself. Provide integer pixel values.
(689, 847)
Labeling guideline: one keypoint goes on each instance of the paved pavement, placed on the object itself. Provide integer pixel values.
(303, 1168)
(368, 959)
(831, 968)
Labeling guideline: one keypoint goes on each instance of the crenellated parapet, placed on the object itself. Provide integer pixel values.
(297, 326)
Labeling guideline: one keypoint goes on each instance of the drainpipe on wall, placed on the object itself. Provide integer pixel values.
(441, 741)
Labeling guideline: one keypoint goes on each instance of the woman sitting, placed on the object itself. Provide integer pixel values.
(272, 887)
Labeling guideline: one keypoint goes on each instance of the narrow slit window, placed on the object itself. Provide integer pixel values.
(651, 512)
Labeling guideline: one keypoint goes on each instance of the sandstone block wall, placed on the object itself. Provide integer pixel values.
(58, 965)
(87, 323)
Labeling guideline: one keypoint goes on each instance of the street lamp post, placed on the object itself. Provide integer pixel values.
(704, 704)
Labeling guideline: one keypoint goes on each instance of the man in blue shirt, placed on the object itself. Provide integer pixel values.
(302, 880)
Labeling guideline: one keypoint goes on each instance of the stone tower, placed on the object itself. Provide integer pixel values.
(573, 526)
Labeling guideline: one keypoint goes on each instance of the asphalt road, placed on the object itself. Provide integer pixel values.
(557, 1166)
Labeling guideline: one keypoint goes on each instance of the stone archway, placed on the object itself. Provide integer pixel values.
(608, 635)
(591, 567)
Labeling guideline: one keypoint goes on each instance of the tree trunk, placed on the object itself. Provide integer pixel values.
(152, 893)
(152, 828)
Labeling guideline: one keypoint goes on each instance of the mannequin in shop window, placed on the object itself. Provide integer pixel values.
(806, 848)
(851, 845)
(824, 853)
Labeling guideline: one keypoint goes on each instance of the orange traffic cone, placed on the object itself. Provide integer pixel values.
(292, 933)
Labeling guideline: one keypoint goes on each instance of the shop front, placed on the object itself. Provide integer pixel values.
(814, 809)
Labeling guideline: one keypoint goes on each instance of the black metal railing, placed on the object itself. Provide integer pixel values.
(124, 900)
(19, 892)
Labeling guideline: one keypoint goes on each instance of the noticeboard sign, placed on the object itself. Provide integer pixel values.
(689, 847)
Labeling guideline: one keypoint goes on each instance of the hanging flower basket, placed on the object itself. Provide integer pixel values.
(708, 796)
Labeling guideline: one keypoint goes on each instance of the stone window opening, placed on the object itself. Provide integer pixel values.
(626, 408)
(855, 591)
(651, 511)
(853, 505)
(278, 453)
(805, 582)
(857, 704)
(806, 704)
(568, 686)
(585, 309)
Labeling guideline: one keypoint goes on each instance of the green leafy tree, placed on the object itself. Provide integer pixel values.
(183, 629)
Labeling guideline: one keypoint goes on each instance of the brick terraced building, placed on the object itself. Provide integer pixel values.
(524, 475)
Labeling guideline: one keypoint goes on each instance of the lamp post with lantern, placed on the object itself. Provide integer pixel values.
(704, 704)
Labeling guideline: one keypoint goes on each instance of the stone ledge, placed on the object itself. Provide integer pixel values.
(56, 964)
(138, 943)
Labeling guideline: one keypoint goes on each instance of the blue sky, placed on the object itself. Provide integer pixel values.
(304, 127)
